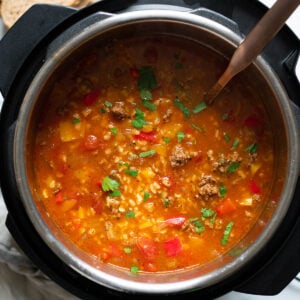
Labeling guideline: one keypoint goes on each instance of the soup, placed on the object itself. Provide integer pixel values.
(137, 170)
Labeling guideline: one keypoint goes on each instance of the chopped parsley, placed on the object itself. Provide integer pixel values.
(146, 95)
(180, 136)
(207, 212)
(132, 172)
(197, 127)
(147, 80)
(134, 269)
(225, 116)
(76, 121)
(139, 119)
(108, 104)
(147, 153)
(127, 250)
(199, 107)
(166, 140)
(109, 184)
(182, 107)
(114, 130)
(222, 190)
(112, 185)
(233, 167)
(130, 214)
(146, 196)
(252, 148)
(149, 105)
(226, 233)
(226, 137)
(235, 144)
(199, 227)
(115, 193)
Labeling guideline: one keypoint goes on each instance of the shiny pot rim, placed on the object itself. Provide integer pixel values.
(112, 280)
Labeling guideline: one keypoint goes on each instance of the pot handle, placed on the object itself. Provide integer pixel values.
(217, 17)
(24, 35)
(39, 22)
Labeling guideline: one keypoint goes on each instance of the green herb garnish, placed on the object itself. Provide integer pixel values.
(226, 137)
(197, 127)
(252, 148)
(147, 80)
(139, 119)
(108, 104)
(115, 193)
(233, 167)
(146, 95)
(147, 153)
(207, 212)
(199, 227)
(109, 184)
(199, 107)
(76, 121)
(235, 144)
(166, 140)
(130, 214)
(222, 190)
(127, 250)
(134, 269)
(225, 116)
(114, 130)
(149, 105)
(182, 107)
(132, 172)
(180, 136)
(146, 196)
(226, 233)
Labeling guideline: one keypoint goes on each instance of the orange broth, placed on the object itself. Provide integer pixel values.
(135, 168)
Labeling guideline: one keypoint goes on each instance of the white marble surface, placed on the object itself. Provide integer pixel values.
(26, 282)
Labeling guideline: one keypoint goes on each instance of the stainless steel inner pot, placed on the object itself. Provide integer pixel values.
(218, 38)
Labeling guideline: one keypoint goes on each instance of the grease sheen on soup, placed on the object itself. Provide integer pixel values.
(137, 170)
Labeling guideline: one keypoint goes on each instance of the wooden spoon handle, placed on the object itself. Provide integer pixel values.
(261, 34)
(254, 43)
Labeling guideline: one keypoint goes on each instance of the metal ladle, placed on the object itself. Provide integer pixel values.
(254, 43)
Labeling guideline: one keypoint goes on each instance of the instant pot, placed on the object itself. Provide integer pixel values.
(40, 36)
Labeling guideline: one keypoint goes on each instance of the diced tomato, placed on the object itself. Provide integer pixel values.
(135, 73)
(173, 246)
(199, 157)
(147, 247)
(255, 122)
(111, 251)
(97, 206)
(91, 142)
(59, 198)
(175, 222)
(146, 136)
(254, 187)
(252, 121)
(114, 251)
(91, 97)
(227, 206)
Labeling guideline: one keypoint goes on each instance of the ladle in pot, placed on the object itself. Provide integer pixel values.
(254, 43)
